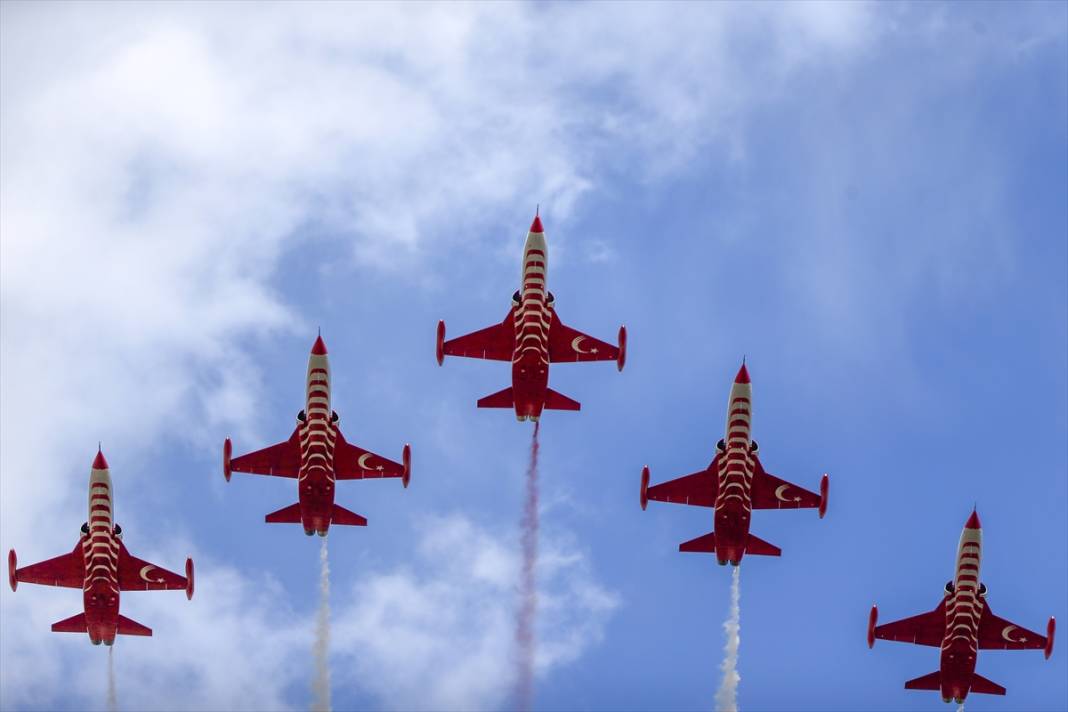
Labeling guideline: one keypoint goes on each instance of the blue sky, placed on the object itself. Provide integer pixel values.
(867, 201)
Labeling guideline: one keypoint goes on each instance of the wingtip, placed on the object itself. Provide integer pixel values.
(189, 583)
(406, 459)
(228, 449)
(12, 567)
(1051, 629)
(644, 496)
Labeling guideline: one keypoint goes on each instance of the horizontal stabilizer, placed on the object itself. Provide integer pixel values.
(344, 516)
(760, 547)
(558, 401)
(129, 627)
(500, 399)
(74, 624)
(927, 682)
(705, 544)
(285, 515)
(982, 685)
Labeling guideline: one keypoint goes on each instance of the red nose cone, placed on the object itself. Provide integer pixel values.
(743, 375)
(319, 348)
(536, 225)
(100, 463)
(973, 521)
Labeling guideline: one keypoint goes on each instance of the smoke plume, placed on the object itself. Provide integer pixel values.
(113, 698)
(528, 591)
(727, 694)
(960, 707)
(321, 683)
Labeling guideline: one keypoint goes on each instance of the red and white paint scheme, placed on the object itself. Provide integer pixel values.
(734, 484)
(317, 455)
(531, 337)
(961, 625)
(101, 566)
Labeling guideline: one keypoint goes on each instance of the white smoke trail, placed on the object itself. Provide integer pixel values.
(727, 694)
(528, 586)
(321, 683)
(113, 698)
(960, 707)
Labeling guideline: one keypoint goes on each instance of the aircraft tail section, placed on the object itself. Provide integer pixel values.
(285, 515)
(343, 516)
(982, 685)
(760, 547)
(558, 401)
(500, 399)
(131, 627)
(704, 544)
(74, 624)
(927, 682)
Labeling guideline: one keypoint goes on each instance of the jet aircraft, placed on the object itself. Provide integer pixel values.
(531, 337)
(735, 483)
(101, 566)
(317, 455)
(961, 624)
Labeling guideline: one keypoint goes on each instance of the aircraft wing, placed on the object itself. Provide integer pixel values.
(67, 570)
(998, 633)
(567, 344)
(924, 629)
(770, 492)
(281, 460)
(355, 463)
(495, 343)
(139, 575)
(698, 489)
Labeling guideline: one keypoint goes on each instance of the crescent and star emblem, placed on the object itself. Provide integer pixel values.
(778, 494)
(144, 574)
(362, 462)
(1008, 629)
(577, 342)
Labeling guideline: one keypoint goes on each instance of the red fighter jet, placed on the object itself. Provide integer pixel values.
(101, 566)
(735, 484)
(531, 337)
(317, 455)
(962, 624)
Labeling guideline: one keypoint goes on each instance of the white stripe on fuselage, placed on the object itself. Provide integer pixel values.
(532, 316)
(100, 548)
(316, 433)
(964, 607)
(735, 463)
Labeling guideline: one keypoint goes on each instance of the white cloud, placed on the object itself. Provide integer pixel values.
(446, 620)
(157, 162)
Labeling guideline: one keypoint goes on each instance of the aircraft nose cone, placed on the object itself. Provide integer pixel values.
(743, 375)
(973, 521)
(536, 225)
(319, 348)
(100, 463)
